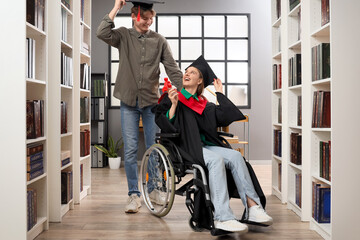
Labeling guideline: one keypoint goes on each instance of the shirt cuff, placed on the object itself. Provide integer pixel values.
(172, 119)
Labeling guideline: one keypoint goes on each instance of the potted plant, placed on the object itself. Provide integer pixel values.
(111, 152)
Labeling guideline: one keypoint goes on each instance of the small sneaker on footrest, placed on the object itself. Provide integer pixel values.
(157, 197)
(257, 214)
(231, 226)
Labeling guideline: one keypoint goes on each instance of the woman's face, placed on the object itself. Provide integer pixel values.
(191, 77)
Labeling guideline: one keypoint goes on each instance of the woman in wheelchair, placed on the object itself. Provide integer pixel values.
(196, 120)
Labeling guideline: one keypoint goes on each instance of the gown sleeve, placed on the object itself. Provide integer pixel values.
(161, 119)
(226, 111)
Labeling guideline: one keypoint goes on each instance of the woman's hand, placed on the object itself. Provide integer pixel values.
(173, 96)
(218, 85)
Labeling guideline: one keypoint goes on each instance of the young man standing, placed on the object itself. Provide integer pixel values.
(140, 53)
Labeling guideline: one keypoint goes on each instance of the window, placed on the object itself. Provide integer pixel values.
(223, 39)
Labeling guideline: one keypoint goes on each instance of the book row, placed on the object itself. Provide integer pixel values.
(321, 200)
(321, 115)
(66, 3)
(64, 25)
(99, 88)
(277, 142)
(320, 61)
(98, 106)
(31, 195)
(325, 12)
(293, 4)
(66, 186)
(97, 158)
(66, 70)
(84, 110)
(35, 13)
(279, 110)
(278, 9)
(298, 178)
(295, 148)
(325, 160)
(276, 76)
(85, 76)
(85, 48)
(84, 143)
(34, 161)
(295, 70)
(63, 110)
(65, 157)
(34, 119)
(98, 132)
(279, 175)
(30, 58)
(81, 177)
(299, 111)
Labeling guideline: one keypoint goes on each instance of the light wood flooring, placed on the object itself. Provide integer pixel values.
(101, 216)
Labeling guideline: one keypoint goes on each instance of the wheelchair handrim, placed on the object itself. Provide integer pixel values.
(163, 153)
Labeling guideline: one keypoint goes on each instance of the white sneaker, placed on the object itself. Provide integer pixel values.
(257, 214)
(133, 204)
(157, 197)
(231, 226)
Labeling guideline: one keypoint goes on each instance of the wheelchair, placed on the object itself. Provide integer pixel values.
(162, 168)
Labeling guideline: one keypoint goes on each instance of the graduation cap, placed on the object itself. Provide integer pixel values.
(205, 69)
(144, 4)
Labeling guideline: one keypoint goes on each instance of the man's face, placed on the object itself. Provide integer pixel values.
(145, 22)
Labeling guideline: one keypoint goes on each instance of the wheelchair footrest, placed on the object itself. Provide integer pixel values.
(218, 232)
(182, 190)
(253, 223)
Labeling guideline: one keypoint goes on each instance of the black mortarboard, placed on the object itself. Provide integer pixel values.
(205, 69)
(144, 4)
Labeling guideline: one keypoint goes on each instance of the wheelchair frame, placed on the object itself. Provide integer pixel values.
(171, 166)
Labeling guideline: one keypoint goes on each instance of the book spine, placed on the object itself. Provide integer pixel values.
(35, 166)
(32, 158)
(65, 162)
(35, 174)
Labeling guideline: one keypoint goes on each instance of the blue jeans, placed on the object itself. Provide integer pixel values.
(130, 117)
(217, 160)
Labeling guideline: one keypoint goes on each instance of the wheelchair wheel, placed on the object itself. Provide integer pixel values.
(157, 180)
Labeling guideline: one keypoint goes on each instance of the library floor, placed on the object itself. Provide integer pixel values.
(101, 216)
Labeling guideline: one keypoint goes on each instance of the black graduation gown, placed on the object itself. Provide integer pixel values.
(190, 124)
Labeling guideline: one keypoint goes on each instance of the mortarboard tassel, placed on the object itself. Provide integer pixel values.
(138, 16)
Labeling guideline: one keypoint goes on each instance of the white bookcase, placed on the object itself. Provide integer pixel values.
(37, 88)
(46, 85)
(343, 40)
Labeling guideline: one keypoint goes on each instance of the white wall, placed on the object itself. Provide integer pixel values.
(260, 112)
(12, 125)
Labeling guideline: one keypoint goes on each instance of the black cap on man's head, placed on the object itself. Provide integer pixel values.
(205, 69)
(144, 4)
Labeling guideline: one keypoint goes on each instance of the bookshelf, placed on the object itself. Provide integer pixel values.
(99, 118)
(37, 124)
(302, 29)
(56, 81)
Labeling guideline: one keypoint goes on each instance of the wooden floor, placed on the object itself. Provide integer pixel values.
(101, 216)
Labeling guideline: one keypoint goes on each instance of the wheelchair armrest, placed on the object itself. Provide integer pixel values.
(168, 135)
(225, 134)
